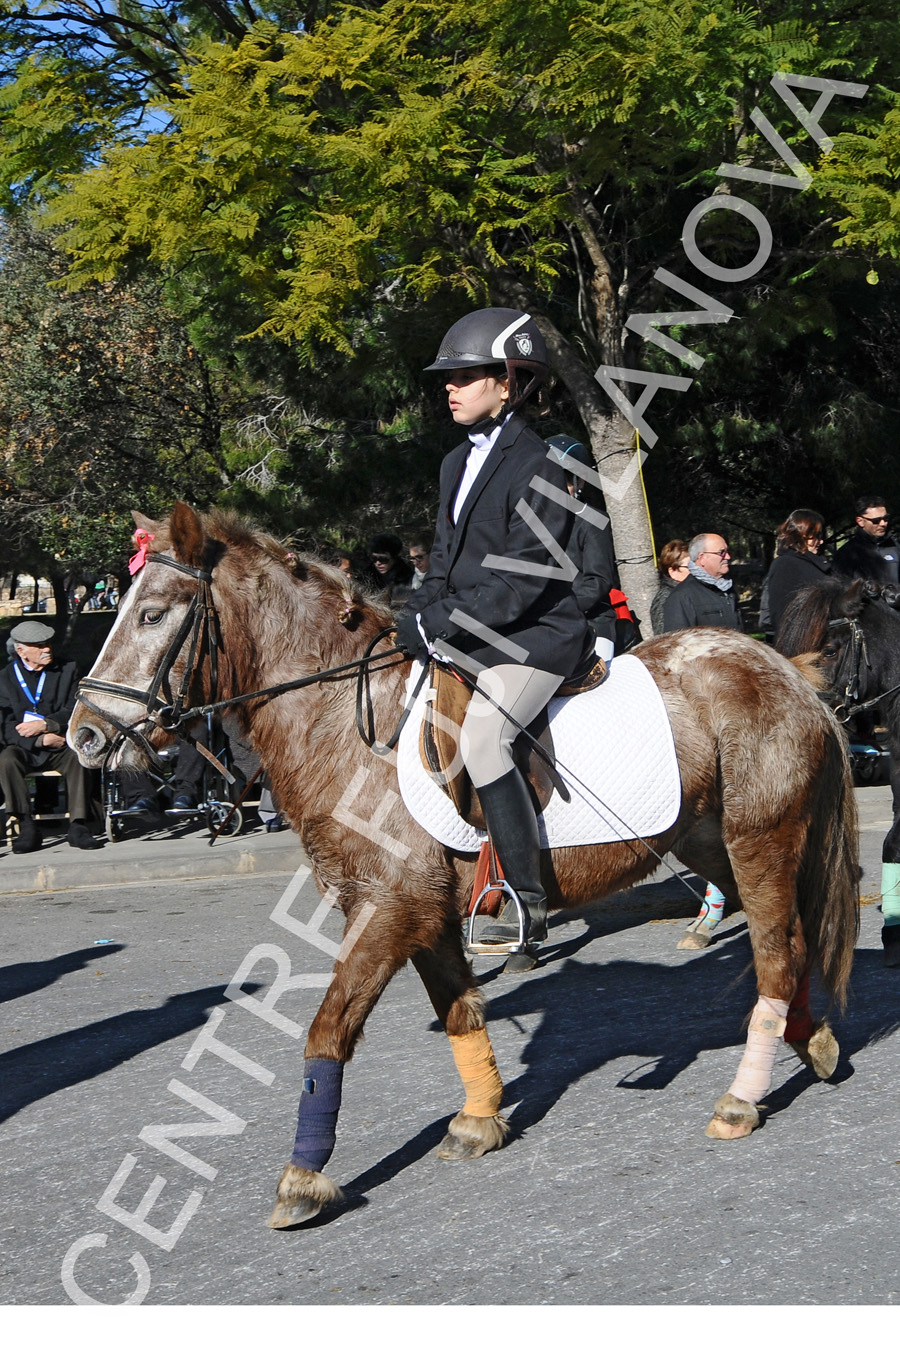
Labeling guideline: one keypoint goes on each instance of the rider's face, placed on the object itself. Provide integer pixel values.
(473, 394)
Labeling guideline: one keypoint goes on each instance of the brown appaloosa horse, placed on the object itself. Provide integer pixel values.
(767, 811)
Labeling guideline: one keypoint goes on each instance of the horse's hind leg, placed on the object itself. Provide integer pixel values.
(767, 881)
(813, 1042)
(478, 1128)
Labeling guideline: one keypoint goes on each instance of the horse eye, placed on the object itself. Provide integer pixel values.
(829, 651)
(150, 616)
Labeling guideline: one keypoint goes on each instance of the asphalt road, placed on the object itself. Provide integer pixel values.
(613, 1054)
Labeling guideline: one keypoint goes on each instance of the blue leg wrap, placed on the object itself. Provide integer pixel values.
(318, 1113)
(713, 905)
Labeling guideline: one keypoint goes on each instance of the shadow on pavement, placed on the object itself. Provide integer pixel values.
(26, 977)
(31, 1072)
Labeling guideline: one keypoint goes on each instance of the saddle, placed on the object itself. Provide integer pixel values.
(439, 742)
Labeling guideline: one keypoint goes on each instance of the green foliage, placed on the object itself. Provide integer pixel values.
(104, 404)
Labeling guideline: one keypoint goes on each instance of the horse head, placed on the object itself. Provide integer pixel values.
(216, 610)
(157, 654)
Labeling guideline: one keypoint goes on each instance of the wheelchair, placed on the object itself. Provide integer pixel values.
(216, 798)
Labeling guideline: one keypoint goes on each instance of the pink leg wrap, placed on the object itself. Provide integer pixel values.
(767, 1023)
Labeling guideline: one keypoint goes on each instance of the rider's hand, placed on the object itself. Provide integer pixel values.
(409, 639)
(33, 726)
(52, 741)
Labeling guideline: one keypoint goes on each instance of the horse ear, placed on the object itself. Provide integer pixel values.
(850, 603)
(143, 522)
(186, 533)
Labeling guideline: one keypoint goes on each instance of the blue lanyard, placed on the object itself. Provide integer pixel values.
(33, 698)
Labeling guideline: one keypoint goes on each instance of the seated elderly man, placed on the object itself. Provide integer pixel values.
(37, 697)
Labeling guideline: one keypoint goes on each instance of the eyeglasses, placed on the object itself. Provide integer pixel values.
(417, 556)
(380, 557)
(876, 520)
(716, 553)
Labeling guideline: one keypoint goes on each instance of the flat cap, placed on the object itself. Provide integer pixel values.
(32, 633)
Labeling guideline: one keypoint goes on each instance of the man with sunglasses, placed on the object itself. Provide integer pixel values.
(705, 598)
(872, 551)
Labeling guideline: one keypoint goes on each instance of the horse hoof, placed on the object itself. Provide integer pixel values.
(300, 1196)
(520, 962)
(694, 942)
(733, 1119)
(472, 1136)
(289, 1215)
(820, 1053)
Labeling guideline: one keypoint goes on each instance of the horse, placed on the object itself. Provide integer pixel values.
(854, 629)
(222, 612)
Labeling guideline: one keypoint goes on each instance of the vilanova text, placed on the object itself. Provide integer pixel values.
(712, 311)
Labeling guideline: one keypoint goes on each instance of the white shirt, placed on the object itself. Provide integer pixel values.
(481, 448)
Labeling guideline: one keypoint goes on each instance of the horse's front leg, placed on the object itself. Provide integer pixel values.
(356, 986)
(478, 1128)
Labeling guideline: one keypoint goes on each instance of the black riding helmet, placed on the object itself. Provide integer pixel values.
(568, 449)
(492, 337)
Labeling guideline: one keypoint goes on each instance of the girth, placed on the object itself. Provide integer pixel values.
(440, 735)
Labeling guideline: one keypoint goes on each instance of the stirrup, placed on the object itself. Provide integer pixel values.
(497, 948)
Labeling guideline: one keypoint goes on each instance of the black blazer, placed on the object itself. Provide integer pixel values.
(696, 604)
(538, 613)
(789, 573)
(57, 702)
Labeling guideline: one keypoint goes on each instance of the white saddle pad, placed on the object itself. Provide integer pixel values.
(614, 751)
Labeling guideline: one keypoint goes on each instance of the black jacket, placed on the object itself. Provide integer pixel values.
(56, 705)
(789, 573)
(591, 550)
(658, 604)
(875, 559)
(696, 604)
(538, 613)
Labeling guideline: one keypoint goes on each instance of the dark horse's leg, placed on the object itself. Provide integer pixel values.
(383, 947)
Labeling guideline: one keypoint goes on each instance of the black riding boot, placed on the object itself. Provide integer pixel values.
(512, 826)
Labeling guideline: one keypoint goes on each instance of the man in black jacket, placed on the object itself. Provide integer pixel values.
(872, 552)
(705, 598)
(37, 698)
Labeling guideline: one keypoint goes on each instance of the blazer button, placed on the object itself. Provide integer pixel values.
(451, 589)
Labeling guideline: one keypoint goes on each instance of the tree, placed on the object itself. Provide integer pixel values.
(475, 153)
(102, 399)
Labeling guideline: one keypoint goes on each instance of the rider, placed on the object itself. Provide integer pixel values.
(498, 599)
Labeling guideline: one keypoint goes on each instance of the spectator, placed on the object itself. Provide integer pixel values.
(393, 572)
(420, 557)
(871, 552)
(798, 563)
(704, 599)
(37, 699)
(673, 568)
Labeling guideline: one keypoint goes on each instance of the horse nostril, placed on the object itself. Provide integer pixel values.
(87, 741)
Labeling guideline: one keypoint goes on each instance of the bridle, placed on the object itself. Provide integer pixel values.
(200, 626)
(850, 677)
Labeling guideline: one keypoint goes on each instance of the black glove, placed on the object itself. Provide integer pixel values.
(409, 639)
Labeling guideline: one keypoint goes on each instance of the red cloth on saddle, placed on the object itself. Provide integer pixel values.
(483, 876)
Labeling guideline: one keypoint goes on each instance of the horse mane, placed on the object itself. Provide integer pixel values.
(804, 627)
(322, 580)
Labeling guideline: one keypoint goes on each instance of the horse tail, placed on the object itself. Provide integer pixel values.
(828, 881)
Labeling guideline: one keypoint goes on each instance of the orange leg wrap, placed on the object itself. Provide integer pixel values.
(477, 1068)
